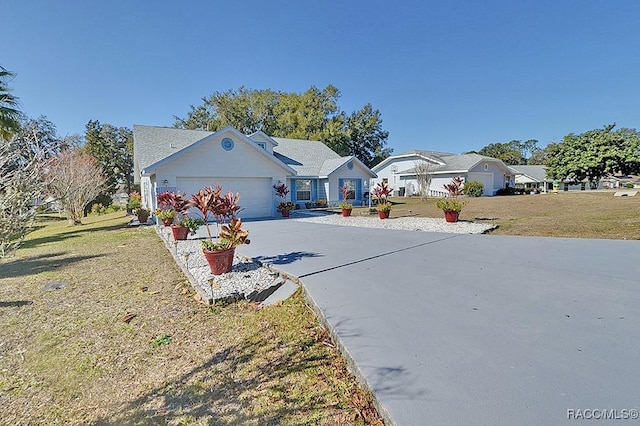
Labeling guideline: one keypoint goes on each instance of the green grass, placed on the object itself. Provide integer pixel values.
(67, 356)
(573, 214)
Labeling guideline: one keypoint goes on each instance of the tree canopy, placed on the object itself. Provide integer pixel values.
(513, 152)
(313, 114)
(9, 114)
(112, 147)
(594, 154)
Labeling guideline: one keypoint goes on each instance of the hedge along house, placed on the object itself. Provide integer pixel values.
(168, 159)
(399, 171)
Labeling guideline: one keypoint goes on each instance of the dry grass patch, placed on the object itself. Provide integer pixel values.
(572, 214)
(68, 357)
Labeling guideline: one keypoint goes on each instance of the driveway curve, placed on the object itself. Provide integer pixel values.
(451, 329)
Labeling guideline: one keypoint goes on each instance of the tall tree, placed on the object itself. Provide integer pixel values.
(74, 178)
(9, 114)
(112, 147)
(362, 135)
(313, 114)
(594, 154)
(512, 152)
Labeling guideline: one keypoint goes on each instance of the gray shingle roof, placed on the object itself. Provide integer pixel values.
(455, 163)
(152, 143)
(308, 158)
(537, 172)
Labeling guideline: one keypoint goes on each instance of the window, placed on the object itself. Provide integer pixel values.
(351, 184)
(303, 189)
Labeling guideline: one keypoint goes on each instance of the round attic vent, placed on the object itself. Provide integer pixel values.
(227, 144)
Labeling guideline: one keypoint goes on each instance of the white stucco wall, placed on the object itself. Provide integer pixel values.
(210, 159)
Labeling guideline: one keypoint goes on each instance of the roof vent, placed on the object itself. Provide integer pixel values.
(171, 145)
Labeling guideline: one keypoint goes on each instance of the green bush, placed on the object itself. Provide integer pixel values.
(628, 185)
(473, 188)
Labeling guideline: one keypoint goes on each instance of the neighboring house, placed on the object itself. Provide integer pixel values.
(168, 159)
(620, 181)
(533, 176)
(399, 171)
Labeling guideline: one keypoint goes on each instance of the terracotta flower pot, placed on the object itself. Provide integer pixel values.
(143, 216)
(346, 212)
(220, 261)
(384, 214)
(179, 232)
(451, 216)
(285, 213)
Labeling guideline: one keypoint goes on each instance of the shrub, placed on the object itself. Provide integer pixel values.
(98, 209)
(628, 185)
(473, 188)
(506, 191)
(321, 203)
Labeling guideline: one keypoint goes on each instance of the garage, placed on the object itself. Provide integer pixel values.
(485, 178)
(255, 193)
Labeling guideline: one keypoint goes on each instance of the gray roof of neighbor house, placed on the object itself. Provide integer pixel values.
(153, 144)
(537, 172)
(456, 163)
(308, 158)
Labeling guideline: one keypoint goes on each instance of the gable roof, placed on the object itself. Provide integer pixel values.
(458, 163)
(167, 143)
(535, 172)
(153, 143)
(312, 158)
(431, 156)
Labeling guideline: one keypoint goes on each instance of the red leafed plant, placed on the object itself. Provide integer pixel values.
(281, 190)
(175, 201)
(381, 191)
(222, 207)
(455, 186)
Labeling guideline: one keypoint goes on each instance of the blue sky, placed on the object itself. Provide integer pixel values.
(446, 75)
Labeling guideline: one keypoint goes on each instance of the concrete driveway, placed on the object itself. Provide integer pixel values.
(474, 329)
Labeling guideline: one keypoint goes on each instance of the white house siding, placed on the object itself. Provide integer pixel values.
(487, 180)
(343, 172)
(394, 179)
(209, 163)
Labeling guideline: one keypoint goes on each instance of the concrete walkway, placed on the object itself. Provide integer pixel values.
(473, 329)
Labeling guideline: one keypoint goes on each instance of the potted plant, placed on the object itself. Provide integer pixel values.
(143, 214)
(380, 192)
(284, 207)
(450, 204)
(135, 202)
(321, 203)
(135, 206)
(177, 203)
(384, 209)
(166, 216)
(345, 206)
(220, 254)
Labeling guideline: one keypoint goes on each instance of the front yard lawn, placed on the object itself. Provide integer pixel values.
(70, 356)
(587, 214)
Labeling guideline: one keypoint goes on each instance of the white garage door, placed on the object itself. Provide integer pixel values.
(486, 179)
(255, 193)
